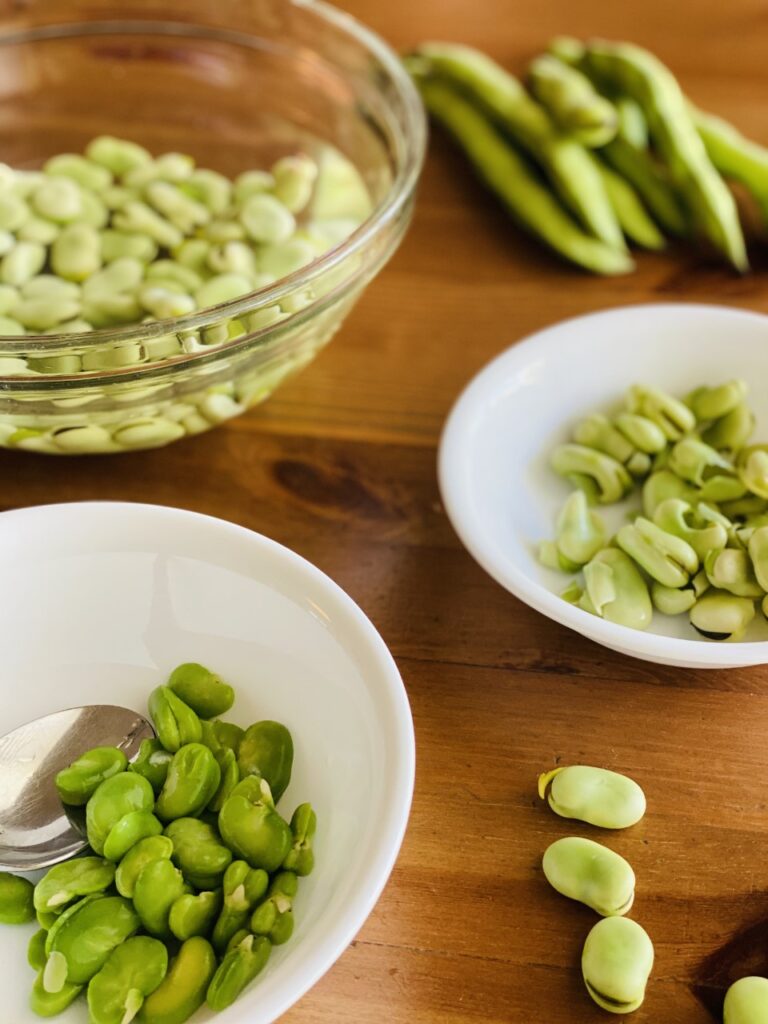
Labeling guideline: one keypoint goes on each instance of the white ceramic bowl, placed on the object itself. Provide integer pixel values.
(495, 479)
(100, 601)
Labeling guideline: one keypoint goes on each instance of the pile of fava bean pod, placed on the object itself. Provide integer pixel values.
(192, 873)
(700, 544)
(601, 149)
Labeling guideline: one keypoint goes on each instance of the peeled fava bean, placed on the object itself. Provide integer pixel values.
(616, 963)
(64, 883)
(666, 558)
(16, 899)
(722, 616)
(266, 750)
(182, 992)
(176, 722)
(746, 1002)
(77, 783)
(616, 590)
(611, 478)
(595, 795)
(590, 873)
(580, 531)
(131, 973)
(115, 798)
(193, 779)
(202, 690)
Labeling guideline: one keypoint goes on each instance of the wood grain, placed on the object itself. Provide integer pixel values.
(340, 465)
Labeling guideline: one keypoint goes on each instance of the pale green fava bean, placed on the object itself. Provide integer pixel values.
(203, 690)
(193, 778)
(679, 518)
(129, 830)
(13, 212)
(183, 991)
(746, 1002)
(198, 852)
(643, 433)
(91, 176)
(180, 209)
(76, 252)
(132, 972)
(580, 532)
(137, 858)
(40, 314)
(722, 616)
(251, 183)
(164, 302)
(222, 288)
(36, 229)
(597, 431)
(194, 915)
(612, 479)
(710, 403)
(83, 937)
(58, 199)
(16, 899)
(754, 472)
(72, 880)
(671, 415)
(118, 155)
(662, 485)
(295, 177)
(301, 858)
(153, 762)
(10, 327)
(595, 795)
(138, 217)
(232, 258)
(176, 723)
(616, 963)
(616, 591)
(22, 263)
(77, 783)
(118, 244)
(286, 258)
(758, 552)
(168, 270)
(666, 558)
(51, 1004)
(210, 188)
(731, 431)
(242, 888)
(696, 462)
(114, 798)
(731, 569)
(266, 219)
(590, 873)
(237, 970)
(36, 950)
(673, 601)
(157, 888)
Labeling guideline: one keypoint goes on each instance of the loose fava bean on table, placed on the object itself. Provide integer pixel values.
(746, 1002)
(590, 873)
(616, 963)
(595, 795)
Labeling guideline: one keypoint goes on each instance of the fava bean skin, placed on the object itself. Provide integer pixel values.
(595, 795)
(590, 873)
(616, 963)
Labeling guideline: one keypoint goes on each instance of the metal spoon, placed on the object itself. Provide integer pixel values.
(36, 830)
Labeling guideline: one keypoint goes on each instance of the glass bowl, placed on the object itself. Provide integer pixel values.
(237, 85)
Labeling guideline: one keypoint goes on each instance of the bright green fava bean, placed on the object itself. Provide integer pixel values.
(230, 776)
(746, 1002)
(133, 971)
(591, 873)
(721, 616)
(193, 778)
(83, 937)
(72, 880)
(199, 852)
(16, 899)
(252, 828)
(77, 783)
(36, 950)
(595, 795)
(51, 1004)
(182, 992)
(229, 734)
(194, 915)
(616, 591)
(157, 888)
(695, 461)
(137, 858)
(266, 749)
(202, 690)
(131, 829)
(274, 917)
(237, 970)
(668, 559)
(242, 889)
(153, 762)
(301, 857)
(176, 723)
(616, 963)
(114, 798)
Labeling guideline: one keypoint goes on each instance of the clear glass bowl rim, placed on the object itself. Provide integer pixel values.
(414, 137)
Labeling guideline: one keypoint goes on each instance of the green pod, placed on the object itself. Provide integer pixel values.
(230, 776)
(580, 532)
(697, 462)
(644, 434)
(36, 950)
(199, 852)
(753, 470)
(746, 1002)
(301, 858)
(242, 889)
(595, 795)
(721, 616)
(735, 156)
(84, 936)
(266, 750)
(252, 828)
(157, 888)
(732, 431)
(597, 431)
(590, 873)
(137, 858)
(635, 221)
(193, 779)
(731, 570)
(237, 970)
(616, 963)
(229, 735)
(152, 762)
(77, 783)
(673, 417)
(202, 690)
(176, 723)
(711, 403)
(671, 600)
(662, 485)
(183, 990)
(612, 479)
(273, 917)
(133, 971)
(51, 1004)
(194, 915)
(64, 883)
(700, 529)
(16, 899)
(572, 101)
(758, 552)
(117, 796)
(665, 558)
(616, 591)
(129, 830)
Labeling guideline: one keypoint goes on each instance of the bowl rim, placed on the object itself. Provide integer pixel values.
(453, 479)
(374, 875)
(414, 140)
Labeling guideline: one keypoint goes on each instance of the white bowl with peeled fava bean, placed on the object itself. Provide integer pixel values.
(102, 602)
(612, 472)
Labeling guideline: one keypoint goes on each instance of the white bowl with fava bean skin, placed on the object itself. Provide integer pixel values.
(102, 600)
(497, 485)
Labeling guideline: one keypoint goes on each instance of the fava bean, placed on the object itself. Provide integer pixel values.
(274, 916)
(199, 852)
(266, 750)
(230, 777)
(595, 795)
(131, 973)
(156, 889)
(237, 970)
(202, 690)
(83, 937)
(721, 616)
(194, 915)
(301, 858)
(64, 883)
(242, 889)
(746, 1002)
(176, 723)
(616, 963)
(16, 899)
(117, 796)
(590, 873)
(51, 1004)
(77, 783)
(137, 858)
(36, 950)
(193, 779)
(183, 991)
(616, 591)
(152, 761)
(129, 830)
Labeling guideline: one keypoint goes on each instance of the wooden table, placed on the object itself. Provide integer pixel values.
(340, 466)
